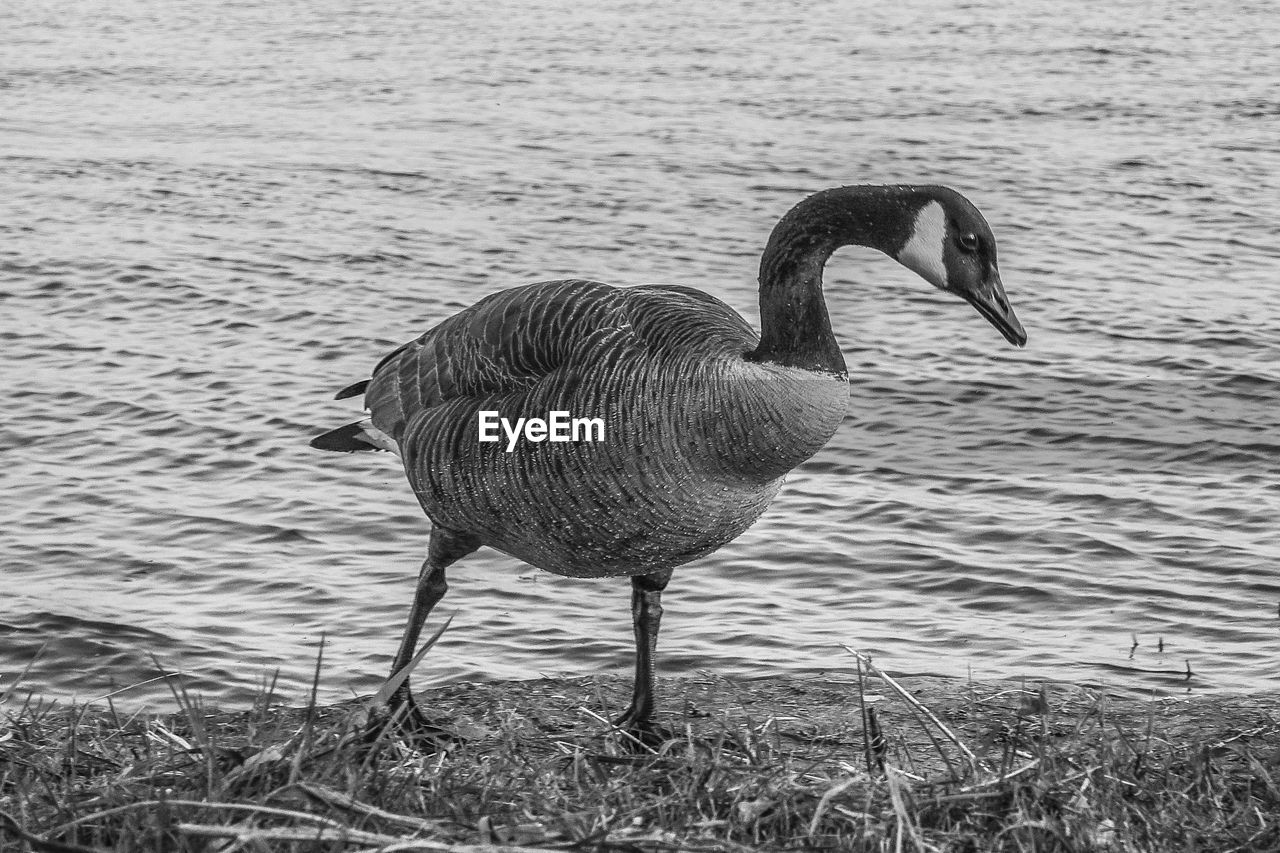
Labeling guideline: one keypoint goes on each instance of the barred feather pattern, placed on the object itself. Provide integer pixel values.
(696, 438)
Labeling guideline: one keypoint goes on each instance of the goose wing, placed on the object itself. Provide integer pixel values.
(510, 341)
(504, 343)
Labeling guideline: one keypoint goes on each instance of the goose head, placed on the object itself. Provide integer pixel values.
(951, 246)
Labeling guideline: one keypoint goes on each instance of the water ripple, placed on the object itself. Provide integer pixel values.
(212, 217)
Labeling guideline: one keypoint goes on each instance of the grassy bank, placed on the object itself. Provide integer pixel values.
(779, 764)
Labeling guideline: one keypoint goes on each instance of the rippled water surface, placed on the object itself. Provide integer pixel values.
(212, 216)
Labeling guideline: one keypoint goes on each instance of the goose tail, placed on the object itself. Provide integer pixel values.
(359, 436)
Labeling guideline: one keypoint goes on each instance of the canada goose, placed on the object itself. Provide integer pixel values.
(693, 418)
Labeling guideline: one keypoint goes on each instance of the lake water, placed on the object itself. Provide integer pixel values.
(212, 216)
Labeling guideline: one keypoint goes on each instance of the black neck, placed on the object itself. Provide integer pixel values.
(794, 327)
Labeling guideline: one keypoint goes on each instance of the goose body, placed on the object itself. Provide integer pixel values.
(701, 417)
(659, 366)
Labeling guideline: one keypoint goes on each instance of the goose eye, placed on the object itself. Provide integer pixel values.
(968, 242)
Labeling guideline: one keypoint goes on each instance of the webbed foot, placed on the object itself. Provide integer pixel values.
(402, 719)
(642, 734)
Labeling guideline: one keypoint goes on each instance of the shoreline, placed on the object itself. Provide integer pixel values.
(776, 763)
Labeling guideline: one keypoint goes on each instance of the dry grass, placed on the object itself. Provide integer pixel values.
(757, 765)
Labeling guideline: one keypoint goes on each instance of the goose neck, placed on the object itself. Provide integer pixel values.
(795, 329)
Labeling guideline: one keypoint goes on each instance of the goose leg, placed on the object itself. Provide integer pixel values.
(446, 547)
(646, 615)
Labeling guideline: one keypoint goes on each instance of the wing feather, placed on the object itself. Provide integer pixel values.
(509, 341)
(501, 344)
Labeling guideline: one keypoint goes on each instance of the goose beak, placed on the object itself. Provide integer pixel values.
(991, 303)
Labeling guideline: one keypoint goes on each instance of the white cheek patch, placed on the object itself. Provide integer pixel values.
(923, 252)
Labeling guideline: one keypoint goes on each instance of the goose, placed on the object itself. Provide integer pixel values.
(696, 418)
